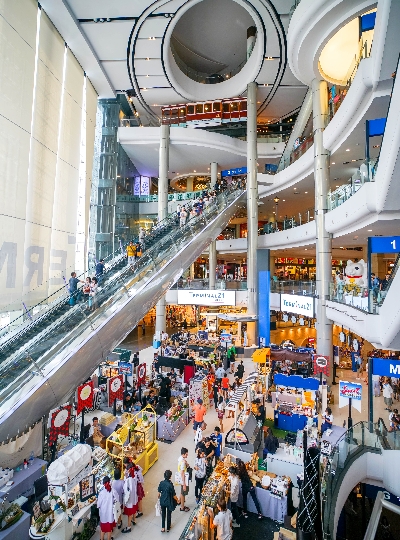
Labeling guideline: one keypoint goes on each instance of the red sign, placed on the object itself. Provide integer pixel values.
(84, 397)
(141, 374)
(59, 423)
(321, 364)
(115, 389)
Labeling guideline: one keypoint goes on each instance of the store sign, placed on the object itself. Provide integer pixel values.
(350, 390)
(125, 368)
(301, 305)
(321, 364)
(225, 338)
(234, 172)
(207, 298)
(384, 244)
(386, 367)
(136, 186)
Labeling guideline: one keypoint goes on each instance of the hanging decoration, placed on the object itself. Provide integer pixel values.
(59, 423)
(141, 374)
(115, 389)
(84, 396)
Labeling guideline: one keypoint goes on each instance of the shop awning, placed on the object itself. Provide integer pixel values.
(238, 395)
(237, 317)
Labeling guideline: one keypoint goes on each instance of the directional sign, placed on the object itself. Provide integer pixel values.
(384, 244)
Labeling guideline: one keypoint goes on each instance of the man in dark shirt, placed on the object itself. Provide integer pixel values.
(75, 293)
(100, 266)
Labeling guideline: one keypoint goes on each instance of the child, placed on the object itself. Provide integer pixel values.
(216, 439)
(199, 473)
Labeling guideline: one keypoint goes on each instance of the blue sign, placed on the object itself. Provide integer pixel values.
(375, 127)
(225, 338)
(271, 168)
(350, 390)
(296, 381)
(384, 244)
(234, 172)
(367, 21)
(386, 367)
(125, 368)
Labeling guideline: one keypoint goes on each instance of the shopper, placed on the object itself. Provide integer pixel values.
(220, 372)
(86, 288)
(223, 521)
(131, 254)
(387, 394)
(271, 443)
(93, 294)
(216, 439)
(130, 497)
(100, 267)
(199, 413)
(221, 412)
(105, 504)
(234, 494)
(140, 490)
(225, 385)
(247, 488)
(394, 420)
(182, 217)
(240, 372)
(199, 473)
(327, 420)
(216, 388)
(182, 470)
(118, 487)
(168, 499)
(75, 293)
(231, 356)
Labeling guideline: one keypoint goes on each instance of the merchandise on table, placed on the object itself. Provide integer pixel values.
(136, 439)
(295, 402)
(10, 513)
(198, 389)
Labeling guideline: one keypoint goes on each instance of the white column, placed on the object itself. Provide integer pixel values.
(252, 210)
(214, 174)
(323, 240)
(212, 264)
(161, 319)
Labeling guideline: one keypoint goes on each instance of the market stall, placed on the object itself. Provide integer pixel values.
(73, 482)
(292, 361)
(198, 389)
(173, 422)
(15, 483)
(294, 416)
(135, 439)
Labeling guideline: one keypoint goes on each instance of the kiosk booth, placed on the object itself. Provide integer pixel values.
(295, 399)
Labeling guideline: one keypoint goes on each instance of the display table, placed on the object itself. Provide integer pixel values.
(169, 431)
(288, 398)
(281, 464)
(18, 531)
(294, 422)
(271, 506)
(24, 479)
(107, 430)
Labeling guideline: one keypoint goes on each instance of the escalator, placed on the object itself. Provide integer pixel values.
(43, 361)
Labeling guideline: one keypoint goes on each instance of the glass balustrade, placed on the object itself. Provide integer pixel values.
(306, 288)
(366, 173)
(288, 222)
(26, 352)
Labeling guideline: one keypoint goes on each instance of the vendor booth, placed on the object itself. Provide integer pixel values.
(295, 402)
(292, 362)
(198, 389)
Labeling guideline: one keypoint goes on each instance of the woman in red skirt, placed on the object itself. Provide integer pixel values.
(105, 504)
(130, 497)
(140, 489)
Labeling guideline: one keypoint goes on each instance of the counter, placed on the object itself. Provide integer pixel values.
(18, 531)
(169, 431)
(294, 422)
(281, 463)
(271, 506)
(24, 479)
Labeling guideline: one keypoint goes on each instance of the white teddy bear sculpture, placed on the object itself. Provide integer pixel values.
(356, 273)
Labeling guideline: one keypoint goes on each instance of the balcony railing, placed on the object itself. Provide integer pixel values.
(305, 288)
(366, 173)
(296, 153)
(185, 196)
(289, 222)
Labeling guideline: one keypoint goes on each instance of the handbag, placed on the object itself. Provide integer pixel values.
(158, 508)
(117, 511)
(178, 479)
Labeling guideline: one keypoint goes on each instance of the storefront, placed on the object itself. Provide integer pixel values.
(295, 402)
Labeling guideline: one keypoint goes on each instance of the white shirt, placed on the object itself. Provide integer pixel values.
(328, 417)
(387, 390)
(219, 373)
(223, 522)
(234, 488)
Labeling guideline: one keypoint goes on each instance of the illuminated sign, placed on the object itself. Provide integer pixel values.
(206, 297)
(301, 305)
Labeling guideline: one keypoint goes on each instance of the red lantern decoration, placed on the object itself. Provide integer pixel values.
(59, 423)
(85, 394)
(115, 389)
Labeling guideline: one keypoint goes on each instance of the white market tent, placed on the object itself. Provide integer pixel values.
(66, 467)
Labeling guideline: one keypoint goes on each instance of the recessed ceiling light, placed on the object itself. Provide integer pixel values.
(337, 186)
(283, 200)
(369, 230)
(333, 163)
(305, 249)
(306, 192)
(194, 171)
(347, 149)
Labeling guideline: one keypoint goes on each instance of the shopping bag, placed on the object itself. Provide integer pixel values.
(178, 478)
(158, 508)
(198, 435)
(117, 511)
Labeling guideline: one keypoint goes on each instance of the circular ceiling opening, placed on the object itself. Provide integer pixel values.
(209, 42)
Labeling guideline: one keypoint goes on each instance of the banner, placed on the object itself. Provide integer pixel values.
(206, 297)
(386, 367)
(125, 368)
(349, 390)
(84, 397)
(141, 374)
(15, 451)
(59, 424)
(321, 364)
(115, 389)
(300, 305)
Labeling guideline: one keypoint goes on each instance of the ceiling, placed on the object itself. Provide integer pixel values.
(105, 46)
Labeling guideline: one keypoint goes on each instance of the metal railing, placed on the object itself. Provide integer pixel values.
(296, 153)
(184, 196)
(288, 222)
(366, 173)
(291, 286)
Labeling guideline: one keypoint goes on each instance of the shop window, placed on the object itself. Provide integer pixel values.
(190, 109)
(217, 106)
(199, 108)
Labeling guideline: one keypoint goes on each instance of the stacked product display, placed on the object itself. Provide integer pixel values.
(174, 421)
(198, 389)
(245, 435)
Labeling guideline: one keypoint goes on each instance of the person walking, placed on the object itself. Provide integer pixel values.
(93, 295)
(130, 497)
(387, 394)
(168, 500)
(182, 470)
(131, 254)
(225, 386)
(240, 371)
(118, 487)
(140, 490)
(199, 413)
(216, 388)
(105, 504)
(216, 439)
(199, 473)
(221, 412)
(234, 494)
(247, 488)
(182, 217)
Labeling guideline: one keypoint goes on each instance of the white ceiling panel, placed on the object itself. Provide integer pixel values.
(170, 7)
(148, 48)
(148, 67)
(154, 27)
(109, 40)
(152, 81)
(268, 72)
(118, 74)
(283, 6)
(289, 79)
(162, 96)
(89, 9)
(285, 100)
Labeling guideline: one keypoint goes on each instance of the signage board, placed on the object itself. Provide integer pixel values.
(136, 186)
(386, 367)
(321, 364)
(384, 244)
(206, 297)
(301, 305)
(225, 338)
(234, 172)
(144, 185)
(125, 368)
(350, 390)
